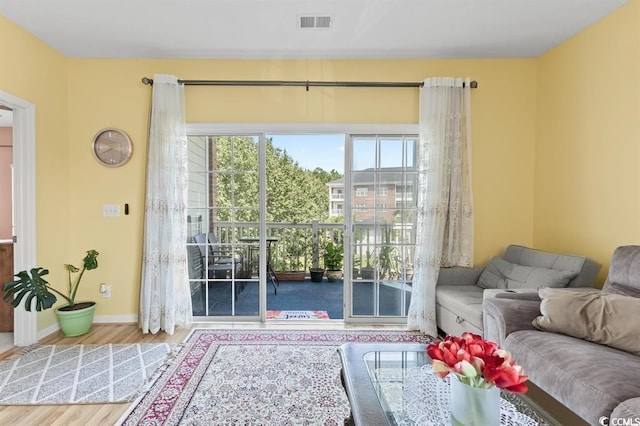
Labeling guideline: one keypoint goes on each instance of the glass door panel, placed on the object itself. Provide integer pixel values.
(382, 179)
(223, 208)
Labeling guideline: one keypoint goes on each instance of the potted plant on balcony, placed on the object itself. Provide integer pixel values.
(368, 271)
(333, 256)
(75, 318)
(388, 259)
(316, 272)
(289, 267)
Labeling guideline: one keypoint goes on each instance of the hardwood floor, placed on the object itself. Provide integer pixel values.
(108, 414)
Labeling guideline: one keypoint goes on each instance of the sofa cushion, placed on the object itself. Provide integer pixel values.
(464, 300)
(500, 273)
(595, 316)
(625, 268)
(586, 269)
(589, 378)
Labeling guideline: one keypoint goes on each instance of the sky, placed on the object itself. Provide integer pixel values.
(327, 151)
(311, 151)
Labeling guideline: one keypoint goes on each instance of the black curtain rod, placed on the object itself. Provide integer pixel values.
(306, 84)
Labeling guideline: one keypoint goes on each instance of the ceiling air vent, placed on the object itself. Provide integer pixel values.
(315, 22)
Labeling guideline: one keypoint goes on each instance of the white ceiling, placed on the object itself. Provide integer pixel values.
(269, 28)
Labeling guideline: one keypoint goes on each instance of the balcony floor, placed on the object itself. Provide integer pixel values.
(292, 296)
(303, 296)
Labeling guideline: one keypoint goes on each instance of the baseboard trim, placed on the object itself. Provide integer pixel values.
(115, 319)
(100, 319)
(49, 330)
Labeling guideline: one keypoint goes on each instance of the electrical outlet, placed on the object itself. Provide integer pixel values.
(110, 210)
(105, 291)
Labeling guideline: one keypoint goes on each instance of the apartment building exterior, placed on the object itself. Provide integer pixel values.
(378, 194)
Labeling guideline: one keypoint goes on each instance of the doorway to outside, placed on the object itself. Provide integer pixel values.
(265, 209)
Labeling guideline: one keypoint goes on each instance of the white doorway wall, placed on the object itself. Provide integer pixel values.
(24, 207)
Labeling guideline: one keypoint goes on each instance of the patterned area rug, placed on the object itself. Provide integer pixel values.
(80, 374)
(275, 377)
(297, 315)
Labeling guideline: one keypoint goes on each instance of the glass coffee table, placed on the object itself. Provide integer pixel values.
(392, 384)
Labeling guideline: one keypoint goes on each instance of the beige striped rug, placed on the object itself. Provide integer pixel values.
(81, 374)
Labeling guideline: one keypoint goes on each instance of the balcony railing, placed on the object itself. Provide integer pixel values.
(299, 246)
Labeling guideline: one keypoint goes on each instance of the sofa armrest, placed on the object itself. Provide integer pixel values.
(507, 293)
(521, 295)
(458, 275)
(502, 317)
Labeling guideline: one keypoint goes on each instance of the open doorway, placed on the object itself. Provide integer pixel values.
(24, 205)
(6, 223)
(305, 216)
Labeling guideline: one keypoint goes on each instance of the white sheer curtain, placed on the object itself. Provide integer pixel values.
(445, 202)
(165, 298)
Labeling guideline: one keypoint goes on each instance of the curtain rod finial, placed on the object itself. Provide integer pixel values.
(148, 81)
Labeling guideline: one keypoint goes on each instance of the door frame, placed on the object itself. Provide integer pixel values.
(25, 331)
(307, 128)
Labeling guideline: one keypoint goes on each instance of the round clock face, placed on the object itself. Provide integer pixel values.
(112, 147)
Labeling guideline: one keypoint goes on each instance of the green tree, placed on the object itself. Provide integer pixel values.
(294, 194)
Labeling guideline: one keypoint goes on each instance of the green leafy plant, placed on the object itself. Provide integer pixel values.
(32, 286)
(292, 256)
(370, 261)
(333, 255)
(388, 259)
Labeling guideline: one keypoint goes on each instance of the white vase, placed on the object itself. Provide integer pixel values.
(471, 406)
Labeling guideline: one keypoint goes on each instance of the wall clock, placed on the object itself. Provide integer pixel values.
(112, 147)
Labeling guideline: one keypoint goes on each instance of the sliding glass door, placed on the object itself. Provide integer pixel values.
(381, 181)
(223, 206)
(268, 205)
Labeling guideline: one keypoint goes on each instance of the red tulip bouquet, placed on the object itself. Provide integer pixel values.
(476, 362)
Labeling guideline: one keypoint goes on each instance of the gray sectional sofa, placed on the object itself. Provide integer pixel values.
(460, 291)
(587, 354)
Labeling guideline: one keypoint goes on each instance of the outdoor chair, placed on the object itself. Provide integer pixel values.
(219, 262)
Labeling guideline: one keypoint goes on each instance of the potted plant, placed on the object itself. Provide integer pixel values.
(289, 268)
(388, 258)
(333, 256)
(75, 318)
(368, 271)
(315, 272)
(355, 270)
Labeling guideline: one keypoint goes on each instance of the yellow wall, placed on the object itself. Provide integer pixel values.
(105, 93)
(555, 139)
(587, 179)
(38, 74)
(77, 97)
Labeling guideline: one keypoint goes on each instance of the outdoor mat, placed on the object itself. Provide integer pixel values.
(255, 377)
(81, 374)
(297, 315)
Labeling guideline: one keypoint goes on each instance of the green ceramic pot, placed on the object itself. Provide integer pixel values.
(76, 322)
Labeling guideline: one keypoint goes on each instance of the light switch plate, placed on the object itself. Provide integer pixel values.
(110, 210)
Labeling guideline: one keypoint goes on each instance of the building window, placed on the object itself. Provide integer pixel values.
(382, 191)
(361, 207)
(362, 192)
